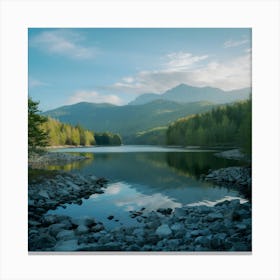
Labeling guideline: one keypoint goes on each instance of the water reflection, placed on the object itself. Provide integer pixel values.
(148, 179)
(73, 165)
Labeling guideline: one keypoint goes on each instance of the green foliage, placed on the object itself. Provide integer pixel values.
(126, 120)
(64, 134)
(108, 139)
(225, 125)
(37, 137)
(155, 136)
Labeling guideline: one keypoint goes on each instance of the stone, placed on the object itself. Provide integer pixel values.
(214, 216)
(54, 229)
(165, 211)
(179, 213)
(177, 227)
(67, 245)
(163, 230)
(241, 226)
(138, 231)
(82, 229)
(43, 241)
(44, 194)
(31, 202)
(65, 234)
(97, 228)
(195, 232)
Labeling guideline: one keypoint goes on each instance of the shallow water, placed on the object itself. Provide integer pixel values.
(147, 178)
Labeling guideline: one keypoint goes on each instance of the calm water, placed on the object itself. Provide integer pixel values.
(147, 177)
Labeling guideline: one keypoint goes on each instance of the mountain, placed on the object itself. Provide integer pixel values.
(126, 120)
(185, 93)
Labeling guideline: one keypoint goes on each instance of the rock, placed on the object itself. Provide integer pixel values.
(138, 231)
(97, 228)
(54, 229)
(44, 194)
(177, 227)
(43, 241)
(31, 202)
(165, 211)
(67, 245)
(202, 240)
(49, 219)
(111, 217)
(179, 213)
(65, 234)
(195, 233)
(81, 229)
(163, 230)
(214, 216)
(241, 226)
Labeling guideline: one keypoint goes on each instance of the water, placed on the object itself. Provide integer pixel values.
(147, 178)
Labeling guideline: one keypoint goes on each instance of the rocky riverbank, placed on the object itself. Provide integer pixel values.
(235, 154)
(224, 227)
(239, 178)
(52, 158)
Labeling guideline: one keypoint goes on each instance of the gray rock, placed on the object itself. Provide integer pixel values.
(163, 230)
(65, 234)
(177, 227)
(43, 241)
(138, 231)
(54, 229)
(214, 216)
(44, 194)
(81, 229)
(241, 226)
(67, 245)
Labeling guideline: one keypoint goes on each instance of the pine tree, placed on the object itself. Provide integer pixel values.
(37, 137)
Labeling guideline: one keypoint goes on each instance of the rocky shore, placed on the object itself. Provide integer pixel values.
(239, 178)
(235, 154)
(52, 158)
(224, 227)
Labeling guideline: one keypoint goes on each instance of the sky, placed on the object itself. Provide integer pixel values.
(115, 65)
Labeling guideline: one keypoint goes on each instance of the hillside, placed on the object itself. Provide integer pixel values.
(224, 125)
(186, 93)
(126, 120)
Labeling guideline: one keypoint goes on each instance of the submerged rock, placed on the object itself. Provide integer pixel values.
(163, 230)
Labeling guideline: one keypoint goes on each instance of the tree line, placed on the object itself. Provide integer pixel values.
(46, 131)
(224, 125)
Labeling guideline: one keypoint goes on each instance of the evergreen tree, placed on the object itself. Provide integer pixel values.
(37, 137)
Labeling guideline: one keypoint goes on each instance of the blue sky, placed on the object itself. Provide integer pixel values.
(115, 65)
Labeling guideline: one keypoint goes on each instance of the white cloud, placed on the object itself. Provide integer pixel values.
(32, 83)
(182, 60)
(128, 80)
(63, 42)
(93, 96)
(232, 43)
(227, 75)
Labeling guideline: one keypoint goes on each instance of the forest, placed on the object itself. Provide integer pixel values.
(60, 134)
(45, 131)
(225, 125)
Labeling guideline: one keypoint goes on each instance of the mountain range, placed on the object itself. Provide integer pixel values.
(146, 112)
(186, 93)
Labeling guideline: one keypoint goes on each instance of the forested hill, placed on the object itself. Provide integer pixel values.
(60, 134)
(224, 125)
(126, 120)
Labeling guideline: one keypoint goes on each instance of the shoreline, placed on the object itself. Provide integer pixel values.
(223, 227)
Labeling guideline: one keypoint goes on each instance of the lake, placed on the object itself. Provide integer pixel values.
(145, 178)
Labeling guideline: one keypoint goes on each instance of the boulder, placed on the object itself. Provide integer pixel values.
(65, 234)
(44, 194)
(81, 229)
(163, 230)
